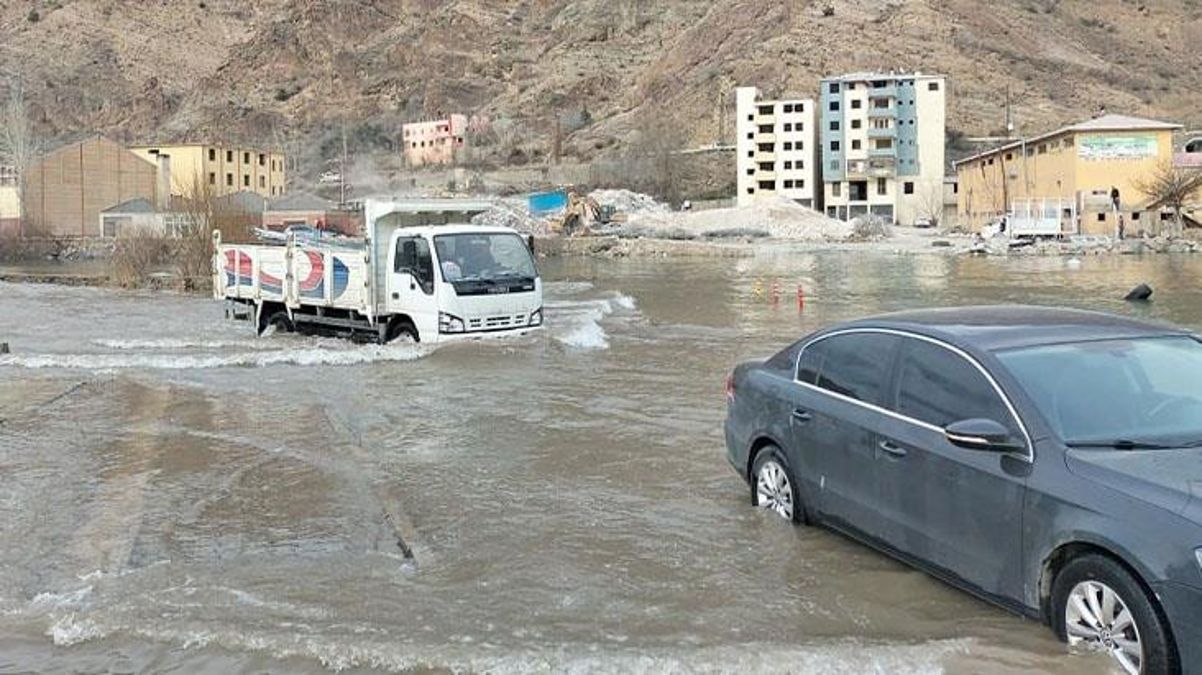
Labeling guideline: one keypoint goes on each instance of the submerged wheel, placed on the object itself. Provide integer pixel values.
(773, 486)
(1098, 604)
(403, 332)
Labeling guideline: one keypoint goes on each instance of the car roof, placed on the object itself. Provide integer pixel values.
(998, 327)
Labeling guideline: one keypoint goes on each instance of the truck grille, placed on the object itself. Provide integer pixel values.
(496, 322)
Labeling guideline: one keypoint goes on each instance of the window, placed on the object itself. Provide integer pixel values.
(789, 146)
(834, 146)
(880, 103)
(855, 144)
(990, 162)
(751, 118)
(788, 107)
(229, 155)
(765, 110)
(413, 258)
(884, 143)
(229, 179)
(857, 103)
(799, 126)
(750, 191)
(834, 165)
(262, 159)
(834, 87)
(908, 187)
(836, 189)
(212, 154)
(788, 165)
(1043, 148)
(933, 86)
(788, 126)
(765, 166)
(750, 135)
(262, 181)
(788, 183)
(882, 187)
(764, 147)
(1009, 156)
(767, 185)
(212, 178)
(246, 158)
(751, 171)
(851, 364)
(855, 124)
(1101, 217)
(799, 183)
(765, 128)
(938, 386)
(246, 180)
(1135, 215)
(751, 153)
(834, 106)
(835, 125)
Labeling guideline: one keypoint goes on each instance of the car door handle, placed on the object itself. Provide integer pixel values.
(801, 416)
(890, 448)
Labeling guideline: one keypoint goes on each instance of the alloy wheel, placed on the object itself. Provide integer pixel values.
(773, 491)
(1096, 617)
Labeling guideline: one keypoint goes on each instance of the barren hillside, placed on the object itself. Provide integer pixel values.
(289, 72)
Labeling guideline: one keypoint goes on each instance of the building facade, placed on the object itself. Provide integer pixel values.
(1086, 175)
(434, 142)
(67, 188)
(217, 170)
(882, 145)
(305, 210)
(10, 201)
(776, 149)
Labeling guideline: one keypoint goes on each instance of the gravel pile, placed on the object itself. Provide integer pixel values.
(628, 202)
(514, 213)
(777, 218)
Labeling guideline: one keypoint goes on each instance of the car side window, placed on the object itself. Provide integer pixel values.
(938, 386)
(413, 257)
(855, 365)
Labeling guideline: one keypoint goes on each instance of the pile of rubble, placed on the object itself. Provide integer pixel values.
(628, 202)
(779, 218)
(513, 212)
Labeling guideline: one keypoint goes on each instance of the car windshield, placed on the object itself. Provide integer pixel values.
(483, 256)
(1132, 394)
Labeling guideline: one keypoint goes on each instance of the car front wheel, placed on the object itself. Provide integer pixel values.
(1098, 604)
(773, 486)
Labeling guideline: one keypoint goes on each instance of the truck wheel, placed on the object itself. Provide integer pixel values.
(280, 322)
(404, 332)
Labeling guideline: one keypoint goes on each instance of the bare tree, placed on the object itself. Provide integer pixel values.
(1171, 186)
(929, 204)
(19, 144)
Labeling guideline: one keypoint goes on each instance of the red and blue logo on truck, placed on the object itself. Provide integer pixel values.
(313, 285)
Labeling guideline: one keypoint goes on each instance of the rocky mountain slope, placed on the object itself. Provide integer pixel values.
(294, 73)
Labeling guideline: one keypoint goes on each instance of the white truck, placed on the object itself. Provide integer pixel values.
(421, 273)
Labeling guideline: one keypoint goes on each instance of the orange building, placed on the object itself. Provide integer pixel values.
(439, 141)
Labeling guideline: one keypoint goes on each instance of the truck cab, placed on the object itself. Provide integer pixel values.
(444, 278)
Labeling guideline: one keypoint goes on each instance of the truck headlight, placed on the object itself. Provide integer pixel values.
(536, 317)
(449, 323)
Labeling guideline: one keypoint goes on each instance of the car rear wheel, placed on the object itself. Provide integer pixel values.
(1098, 604)
(773, 486)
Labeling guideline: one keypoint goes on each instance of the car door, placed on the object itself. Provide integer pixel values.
(412, 285)
(836, 417)
(955, 508)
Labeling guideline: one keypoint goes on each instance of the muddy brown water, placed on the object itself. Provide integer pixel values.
(178, 495)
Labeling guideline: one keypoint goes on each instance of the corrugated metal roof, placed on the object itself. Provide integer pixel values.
(1103, 123)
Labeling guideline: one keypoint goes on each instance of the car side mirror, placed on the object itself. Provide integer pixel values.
(981, 434)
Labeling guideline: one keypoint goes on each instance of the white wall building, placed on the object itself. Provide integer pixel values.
(882, 145)
(776, 149)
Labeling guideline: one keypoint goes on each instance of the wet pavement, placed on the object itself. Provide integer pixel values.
(176, 494)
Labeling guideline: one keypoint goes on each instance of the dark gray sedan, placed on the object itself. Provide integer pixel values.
(1046, 460)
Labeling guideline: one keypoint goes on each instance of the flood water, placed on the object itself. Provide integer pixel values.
(176, 494)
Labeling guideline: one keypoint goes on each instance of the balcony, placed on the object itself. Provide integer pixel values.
(888, 111)
(888, 91)
(874, 168)
(887, 132)
(890, 152)
(769, 137)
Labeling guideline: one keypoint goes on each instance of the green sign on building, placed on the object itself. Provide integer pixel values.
(1125, 146)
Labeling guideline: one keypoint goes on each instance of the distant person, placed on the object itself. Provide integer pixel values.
(1122, 226)
(1001, 225)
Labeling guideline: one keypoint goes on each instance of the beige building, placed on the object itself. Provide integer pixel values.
(1080, 179)
(882, 145)
(66, 189)
(776, 149)
(216, 170)
(440, 141)
(10, 201)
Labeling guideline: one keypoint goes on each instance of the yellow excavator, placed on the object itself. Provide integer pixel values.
(580, 215)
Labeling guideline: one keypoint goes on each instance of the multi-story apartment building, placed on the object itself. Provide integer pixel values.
(776, 153)
(216, 170)
(882, 145)
(438, 141)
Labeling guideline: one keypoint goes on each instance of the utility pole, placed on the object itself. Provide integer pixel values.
(342, 171)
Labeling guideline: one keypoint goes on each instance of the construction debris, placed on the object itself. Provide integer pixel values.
(778, 218)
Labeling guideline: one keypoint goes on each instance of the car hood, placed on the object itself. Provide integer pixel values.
(1170, 479)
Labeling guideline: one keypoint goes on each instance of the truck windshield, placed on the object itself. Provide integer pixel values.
(484, 257)
(1128, 393)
